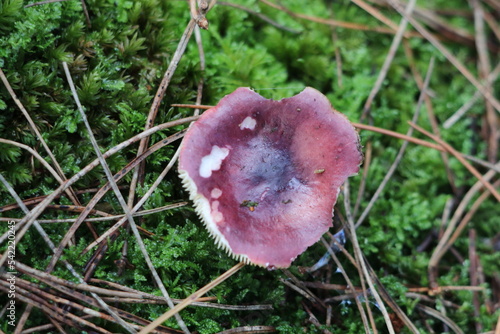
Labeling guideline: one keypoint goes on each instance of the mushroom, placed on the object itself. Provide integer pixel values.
(264, 175)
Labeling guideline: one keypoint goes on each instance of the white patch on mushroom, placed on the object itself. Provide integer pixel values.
(215, 206)
(203, 209)
(216, 214)
(213, 161)
(218, 217)
(216, 193)
(248, 123)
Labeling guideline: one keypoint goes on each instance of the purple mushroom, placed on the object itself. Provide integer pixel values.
(264, 175)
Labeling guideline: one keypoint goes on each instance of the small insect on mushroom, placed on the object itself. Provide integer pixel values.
(249, 204)
(248, 147)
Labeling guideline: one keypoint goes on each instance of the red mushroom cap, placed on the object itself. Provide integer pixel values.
(264, 175)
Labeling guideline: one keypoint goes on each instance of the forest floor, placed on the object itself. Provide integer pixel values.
(83, 252)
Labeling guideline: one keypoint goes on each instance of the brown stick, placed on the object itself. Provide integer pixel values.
(484, 70)
(474, 263)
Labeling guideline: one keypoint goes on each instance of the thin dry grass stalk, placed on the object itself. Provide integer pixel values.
(122, 202)
(335, 23)
(250, 330)
(304, 290)
(492, 77)
(65, 299)
(444, 30)
(201, 82)
(460, 158)
(388, 60)
(139, 204)
(430, 112)
(451, 58)
(360, 260)
(444, 242)
(189, 300)
(473, 276)
(466, 219)
(70, 268)
(38, 199)
(259, 15)
(102, 191)
(32, 215)
(181, 48)
(484, 67)
(353, 260)
(351, 288)
(436, 314)
(385, 295)
(402, 150)
(362, 185)
(105, 216)
(377, 14)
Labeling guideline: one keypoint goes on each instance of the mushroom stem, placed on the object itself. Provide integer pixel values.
(192, 298)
